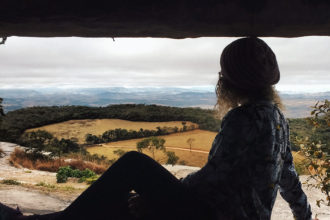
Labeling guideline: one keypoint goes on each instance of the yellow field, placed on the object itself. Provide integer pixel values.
(201, 144)
(198, 157)
(79, 128)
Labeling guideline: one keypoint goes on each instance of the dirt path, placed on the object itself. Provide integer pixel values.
(172, 148)
(32, 200)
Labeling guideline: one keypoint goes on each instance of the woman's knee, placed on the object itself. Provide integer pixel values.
(133, 155)
(134, 160)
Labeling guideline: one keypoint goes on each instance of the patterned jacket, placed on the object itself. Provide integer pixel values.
(249, 161)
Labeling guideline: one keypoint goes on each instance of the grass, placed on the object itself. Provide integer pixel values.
(202, 141)
(79, 128)
(53, 188)
(66, 191)
(19, 158)
(46, 185)
(10, 182)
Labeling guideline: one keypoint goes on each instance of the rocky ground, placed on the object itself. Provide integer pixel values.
(50, 196)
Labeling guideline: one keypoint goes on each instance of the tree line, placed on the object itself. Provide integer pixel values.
(40, 141)
(124, 134)
(16, 122)
(13, 125)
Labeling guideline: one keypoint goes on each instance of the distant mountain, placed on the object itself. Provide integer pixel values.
(297, 105)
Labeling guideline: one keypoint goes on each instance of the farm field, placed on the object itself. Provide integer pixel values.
(174, 142)
(195, 159)
(198, 157)
(79, 128)
(177, 142)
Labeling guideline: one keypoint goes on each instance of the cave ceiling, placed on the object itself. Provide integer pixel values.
(166, 19)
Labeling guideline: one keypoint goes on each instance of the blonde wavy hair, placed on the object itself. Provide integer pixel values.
(229, 96)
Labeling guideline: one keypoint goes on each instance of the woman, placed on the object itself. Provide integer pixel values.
(249, 161)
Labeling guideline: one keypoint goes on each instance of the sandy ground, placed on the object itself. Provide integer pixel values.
(36, 200)
(32, 201)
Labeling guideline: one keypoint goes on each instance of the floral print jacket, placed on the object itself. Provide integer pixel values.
(249, 161)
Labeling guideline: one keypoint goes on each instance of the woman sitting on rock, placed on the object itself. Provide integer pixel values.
(249, 161)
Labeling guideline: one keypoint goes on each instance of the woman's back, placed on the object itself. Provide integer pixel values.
(249, 160)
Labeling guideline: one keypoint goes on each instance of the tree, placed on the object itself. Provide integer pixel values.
(36, 141)
(192, 127)
(171, 158)
(63, 146)
(184, 126)
(55, 147)
(2, 113)
(152, 144)
(159, 130)
(317, 151)
(190, 142)
(92, 139)
(1, 108)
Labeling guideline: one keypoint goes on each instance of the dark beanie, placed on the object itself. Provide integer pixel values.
(250, 64)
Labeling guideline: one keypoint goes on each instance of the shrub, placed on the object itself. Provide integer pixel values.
(49, 165)
(86, 174)
(91, 180)
(65, 172)
(20, 158)
(171, 158)
(317, 151)
(82, 165)
(119, 152)
(182, 162)
(10, 182)
(92, 158)
(2, 153)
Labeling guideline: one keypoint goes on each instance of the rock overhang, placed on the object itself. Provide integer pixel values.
(165, 19)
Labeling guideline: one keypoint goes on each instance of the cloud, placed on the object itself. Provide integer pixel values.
(92, 62)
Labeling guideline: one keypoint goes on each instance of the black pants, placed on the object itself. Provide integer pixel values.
(107, 198)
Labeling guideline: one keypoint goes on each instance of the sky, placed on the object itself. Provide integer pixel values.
(151, 62)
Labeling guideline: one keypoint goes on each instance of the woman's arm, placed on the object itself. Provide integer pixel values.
(227, 155)
(291, 191)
